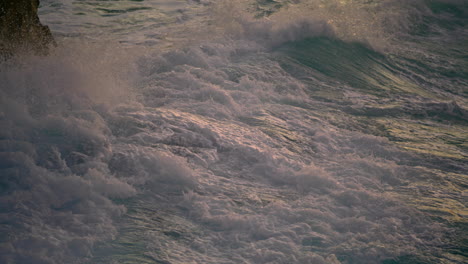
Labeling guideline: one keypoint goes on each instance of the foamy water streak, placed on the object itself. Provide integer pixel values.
(278, 140)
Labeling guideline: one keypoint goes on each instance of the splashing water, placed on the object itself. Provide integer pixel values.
(238, 132)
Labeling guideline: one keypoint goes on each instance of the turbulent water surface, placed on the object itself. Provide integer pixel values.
(268, 131)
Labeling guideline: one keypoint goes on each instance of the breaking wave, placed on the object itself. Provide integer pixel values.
(315, 132)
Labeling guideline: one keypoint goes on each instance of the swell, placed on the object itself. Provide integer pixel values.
(362, 68)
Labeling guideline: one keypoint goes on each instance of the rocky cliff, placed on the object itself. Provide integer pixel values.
(20, 29)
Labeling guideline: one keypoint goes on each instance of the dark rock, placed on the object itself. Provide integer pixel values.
(20, 29)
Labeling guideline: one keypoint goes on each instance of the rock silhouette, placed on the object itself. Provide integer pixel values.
(21, 30)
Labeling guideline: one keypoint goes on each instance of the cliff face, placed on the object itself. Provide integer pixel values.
(21, 30)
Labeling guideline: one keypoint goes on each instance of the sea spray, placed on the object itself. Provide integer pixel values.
(277, 140)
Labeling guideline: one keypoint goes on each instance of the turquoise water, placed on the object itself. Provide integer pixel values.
(238, 132)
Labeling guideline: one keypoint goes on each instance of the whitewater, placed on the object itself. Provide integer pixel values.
(242, 131)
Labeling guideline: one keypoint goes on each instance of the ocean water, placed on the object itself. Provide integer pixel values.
(242, 131)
